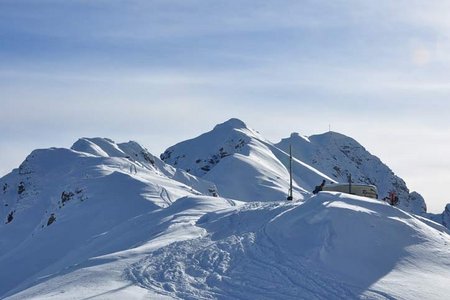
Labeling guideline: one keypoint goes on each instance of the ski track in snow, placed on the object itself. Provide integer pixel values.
(241, 266)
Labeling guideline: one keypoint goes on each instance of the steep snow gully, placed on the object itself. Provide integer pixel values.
(209, 221)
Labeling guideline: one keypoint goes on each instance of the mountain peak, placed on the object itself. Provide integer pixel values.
(199, 155)
(334, 137)
(334, 134)
(232, 123)
(296, 136)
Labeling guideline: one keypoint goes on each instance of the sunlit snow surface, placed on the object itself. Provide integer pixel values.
(136, 228)
(330, 247)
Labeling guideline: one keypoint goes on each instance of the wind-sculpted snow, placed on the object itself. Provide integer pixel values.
(246, 264)
(330, 247)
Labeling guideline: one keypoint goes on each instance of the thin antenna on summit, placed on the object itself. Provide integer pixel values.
(329, 127)
(290, 174)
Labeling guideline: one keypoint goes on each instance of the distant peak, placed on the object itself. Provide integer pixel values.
(131, 143)
(334, 135)
(295, 136)
(233, 123)
(336, 138)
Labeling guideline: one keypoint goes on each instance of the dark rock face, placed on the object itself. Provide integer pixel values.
(446, 216)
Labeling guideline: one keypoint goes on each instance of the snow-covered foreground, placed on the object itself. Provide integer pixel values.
(98, 267)
(333, 246)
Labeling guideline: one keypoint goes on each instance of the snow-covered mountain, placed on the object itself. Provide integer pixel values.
(111, 221)
(232, 154)
(339, 156)
(89, 189)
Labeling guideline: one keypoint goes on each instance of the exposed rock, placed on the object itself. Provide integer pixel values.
(21, 188)
(66, 196)
(51, 219)
(10, 217)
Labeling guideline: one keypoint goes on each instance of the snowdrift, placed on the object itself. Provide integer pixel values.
(333, 246)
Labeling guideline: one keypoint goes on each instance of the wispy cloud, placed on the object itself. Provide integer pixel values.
(162, 71)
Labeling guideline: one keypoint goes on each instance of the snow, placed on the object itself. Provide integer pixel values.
(232, 153)
(332, 246)
(339, 156)
(130, 226)
(97, 267)
(103, 192)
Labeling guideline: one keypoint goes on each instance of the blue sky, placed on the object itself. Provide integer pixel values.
(163, 71)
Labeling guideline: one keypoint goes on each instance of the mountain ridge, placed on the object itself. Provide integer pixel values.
(232, 153)
(111, 219)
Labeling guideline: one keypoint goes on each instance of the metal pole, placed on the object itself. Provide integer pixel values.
(290, 174)
(350, 183)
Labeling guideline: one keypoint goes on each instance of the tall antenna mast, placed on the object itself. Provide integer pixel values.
(290, 174)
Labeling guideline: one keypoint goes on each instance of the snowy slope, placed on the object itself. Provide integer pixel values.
(128, 230)
(111, 221)
(98, 266)
(87, 193)
(141, 157)
(334, 246)
(338, 156)
(232, 154)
